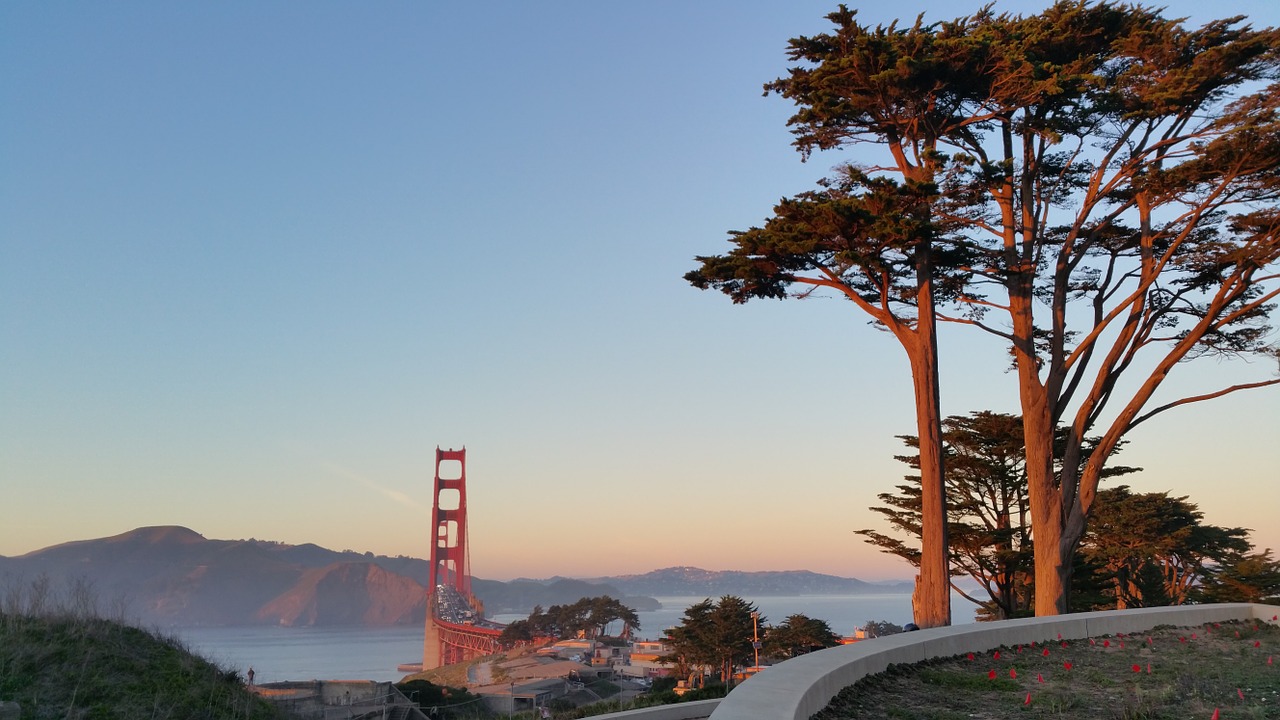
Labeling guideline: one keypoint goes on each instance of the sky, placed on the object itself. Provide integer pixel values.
(258, 260)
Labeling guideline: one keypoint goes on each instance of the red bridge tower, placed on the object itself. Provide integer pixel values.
(456, 629)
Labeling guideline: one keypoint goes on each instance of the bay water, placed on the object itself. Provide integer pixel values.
(372, 653)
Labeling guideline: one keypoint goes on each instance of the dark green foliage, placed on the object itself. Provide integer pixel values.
(988, 510)
(880, 628)
(662, 684)
(1245, 578)
(64, 666)
(447, 702)
(714, 635)
(588, 617)
(1153, 548)
(797, 635)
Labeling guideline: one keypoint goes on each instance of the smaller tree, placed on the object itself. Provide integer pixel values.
(1155, 548)
(588, 617)
(988, 510)
(714, 636)
(880, 628)
(797, 635)
(1246, 578)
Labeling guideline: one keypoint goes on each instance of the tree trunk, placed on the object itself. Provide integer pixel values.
(931, 601)
(1052, 565)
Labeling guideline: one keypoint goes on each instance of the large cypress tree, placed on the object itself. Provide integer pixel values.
(1100, 179)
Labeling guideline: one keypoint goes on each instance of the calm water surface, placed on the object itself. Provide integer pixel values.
(360, 653)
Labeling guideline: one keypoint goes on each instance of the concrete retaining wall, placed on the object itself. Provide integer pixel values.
(796, 689)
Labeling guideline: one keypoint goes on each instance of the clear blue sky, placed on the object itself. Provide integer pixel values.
(258, 259)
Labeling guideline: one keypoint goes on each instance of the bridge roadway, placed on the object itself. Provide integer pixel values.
(462, 632)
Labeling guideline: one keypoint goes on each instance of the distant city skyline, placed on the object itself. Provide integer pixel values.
(258, 260)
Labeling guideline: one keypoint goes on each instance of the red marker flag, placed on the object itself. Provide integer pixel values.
(970, 656)
(1257, 643)
(1106, 643)
(1240, 693)
(1137, 668)
(1013, 673)
(1064, 643)
(1028, 700)
(1039, 677)
(1215, 714)
(1046, 652)
(991, 674)
(1148, 668)
(997, 655)
(1066, 665)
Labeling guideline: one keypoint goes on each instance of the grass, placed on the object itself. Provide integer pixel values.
(1166, 673)
(60, 665)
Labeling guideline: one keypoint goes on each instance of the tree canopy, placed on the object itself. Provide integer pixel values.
(988, 510)
(1155, 549)
(588, 617)
(1093, 186)
(797, 635)
(717, 636)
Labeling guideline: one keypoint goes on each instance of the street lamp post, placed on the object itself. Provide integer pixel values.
(755, 638)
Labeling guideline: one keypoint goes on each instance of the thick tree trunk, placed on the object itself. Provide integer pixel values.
(931, 601)
(1052, 565)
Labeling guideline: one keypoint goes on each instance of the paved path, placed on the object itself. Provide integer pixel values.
(480, 673)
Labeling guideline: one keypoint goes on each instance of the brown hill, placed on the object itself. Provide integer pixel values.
(174, 576)
(348, 594)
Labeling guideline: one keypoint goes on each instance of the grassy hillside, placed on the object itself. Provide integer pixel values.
(63, 666)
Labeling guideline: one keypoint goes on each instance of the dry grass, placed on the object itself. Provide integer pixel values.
(1165, 673)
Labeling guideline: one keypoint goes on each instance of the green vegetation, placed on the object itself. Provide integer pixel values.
(714, 636)
(446, 703)
(662, 693)
(67, 666)
(1140, 549)
(1166, 673)
(588, 617)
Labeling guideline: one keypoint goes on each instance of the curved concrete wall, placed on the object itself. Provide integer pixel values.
(796, 689)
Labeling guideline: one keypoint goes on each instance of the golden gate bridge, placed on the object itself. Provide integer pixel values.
(456, 630)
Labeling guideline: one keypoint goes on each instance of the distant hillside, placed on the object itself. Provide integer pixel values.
(521, 595)
(69, 667)
(173, 576)
(696, 581)
(359, 593)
